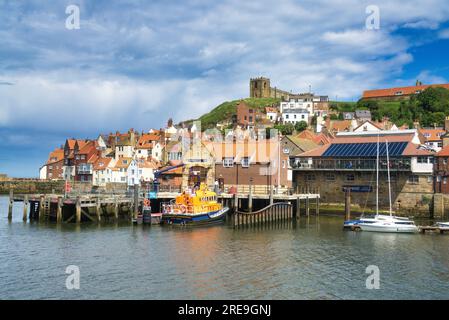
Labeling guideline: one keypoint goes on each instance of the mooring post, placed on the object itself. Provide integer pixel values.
(348, 204)
(41, 208)
(317, 211)
(98, 211)
(11, 203)
(59, 211)
(78, 209)
(250, 196)
(115, 208)
(298, 207)
(136, 200)
(307, 206)
(236, 202)
(25, 208)
(271, 195)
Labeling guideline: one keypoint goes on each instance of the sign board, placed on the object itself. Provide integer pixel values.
(357, 188)
(152, 195)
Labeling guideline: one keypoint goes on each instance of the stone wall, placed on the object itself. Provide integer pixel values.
(31, 186)
(408, 197)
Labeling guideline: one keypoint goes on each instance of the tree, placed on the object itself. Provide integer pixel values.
(300, 126)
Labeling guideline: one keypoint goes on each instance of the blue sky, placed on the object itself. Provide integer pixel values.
(134, 64)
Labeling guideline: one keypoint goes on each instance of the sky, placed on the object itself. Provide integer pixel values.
(134, 64)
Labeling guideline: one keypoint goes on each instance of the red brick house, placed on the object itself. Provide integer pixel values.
(246, 116)
(55, 165)
(86, 154)
(441, 169)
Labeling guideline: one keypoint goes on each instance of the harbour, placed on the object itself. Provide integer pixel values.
(309, 258)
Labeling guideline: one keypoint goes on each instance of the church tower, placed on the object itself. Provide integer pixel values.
(259, 88)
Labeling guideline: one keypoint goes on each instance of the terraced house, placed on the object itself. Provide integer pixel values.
(350, 160)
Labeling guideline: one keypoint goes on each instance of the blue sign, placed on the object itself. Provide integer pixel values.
(358, 188)
(152, 195)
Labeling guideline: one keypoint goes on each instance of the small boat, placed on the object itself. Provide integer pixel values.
(386, 223)
(194, 208)
(442, 224)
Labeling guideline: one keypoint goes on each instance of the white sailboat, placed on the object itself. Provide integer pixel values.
(386, 223)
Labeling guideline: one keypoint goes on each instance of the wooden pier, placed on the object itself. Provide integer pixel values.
(98, 207)
(441, 230)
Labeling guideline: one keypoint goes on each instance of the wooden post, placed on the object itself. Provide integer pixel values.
(25, 208)
(11, 203)
(236, 202)
(317, 211)
(59, 210)
(271, 194)
(98, 211)
(298, 208)
(41, 208)
(115, 208)
(307, 206)
(250, 196)
(348, 204)
(78, 209)
(136, 200)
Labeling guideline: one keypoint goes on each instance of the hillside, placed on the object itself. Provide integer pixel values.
(225, 110)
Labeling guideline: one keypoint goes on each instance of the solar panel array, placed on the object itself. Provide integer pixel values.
(364, 149)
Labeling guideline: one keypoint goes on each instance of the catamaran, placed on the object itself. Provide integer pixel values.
(386, 223)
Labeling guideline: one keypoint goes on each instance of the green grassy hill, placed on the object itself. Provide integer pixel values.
(225, 110)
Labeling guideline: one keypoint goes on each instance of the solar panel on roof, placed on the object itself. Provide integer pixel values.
(364, 149)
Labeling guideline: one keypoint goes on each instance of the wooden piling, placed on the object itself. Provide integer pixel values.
(348, 204)
(271, 195)
(136, 201)
(298, 208)
(78, 209)
(59, 210)
(307, 206)
(98, 209)
(11, 203)
(317, 211)
(115, 209)
(25, 208)
(41, 208)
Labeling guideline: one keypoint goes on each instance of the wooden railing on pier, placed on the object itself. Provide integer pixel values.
(274, 212)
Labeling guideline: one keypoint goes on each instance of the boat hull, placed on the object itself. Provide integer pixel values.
(388, 229)
(197, 219)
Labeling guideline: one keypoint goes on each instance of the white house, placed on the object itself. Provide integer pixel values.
(298, 103)
(367, 126)
(43, 172)
(295, 115)
(120, 170)
(133, 176)
(102, 171)
(146, 169)
(272, 113)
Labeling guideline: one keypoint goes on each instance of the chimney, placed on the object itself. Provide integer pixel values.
(446, 124)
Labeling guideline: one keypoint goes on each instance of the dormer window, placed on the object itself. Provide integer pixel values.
(228, 162)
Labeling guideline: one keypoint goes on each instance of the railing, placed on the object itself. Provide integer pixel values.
(280, 211)
(351, 164)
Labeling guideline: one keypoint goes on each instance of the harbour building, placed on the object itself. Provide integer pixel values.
(349, 162)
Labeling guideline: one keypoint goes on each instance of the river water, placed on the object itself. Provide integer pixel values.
(314, 259)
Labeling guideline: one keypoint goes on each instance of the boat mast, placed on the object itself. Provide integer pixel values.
(377, 177)
(388, 173)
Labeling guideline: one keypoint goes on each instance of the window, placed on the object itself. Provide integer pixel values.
(429, 179)
(245, 162)
(251, 111)
(286, 116)
(310, 177)
(398, 93)
(445, 180)
(350, 177)
(303, 116)
(413, 179)
(438, 178)
(422, 159)
(444, 160)
(294, 116)
(228, 162)
(250, 119)
(330, 177)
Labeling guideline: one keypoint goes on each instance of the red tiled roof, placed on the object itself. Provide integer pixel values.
(391, 92)
(432, 134)
(55, 156)
(102, 163)
(443, 152)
